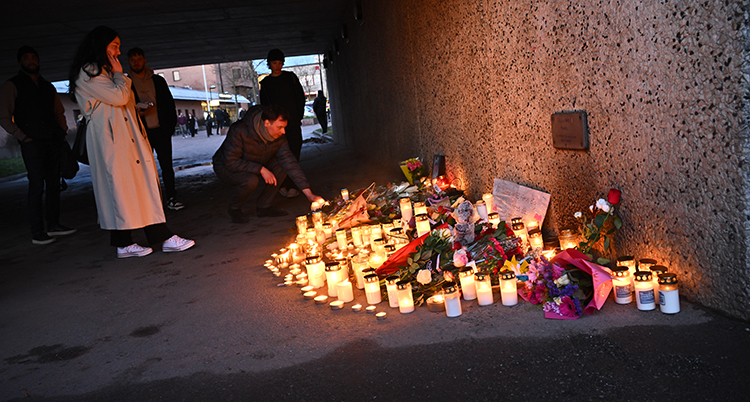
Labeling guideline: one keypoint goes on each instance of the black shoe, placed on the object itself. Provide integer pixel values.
(60, 230)
(42, 238)
(271, 212)
(238, 216)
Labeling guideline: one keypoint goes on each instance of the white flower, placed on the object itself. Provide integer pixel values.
(578, 215)
(603, 205)
(558, 300)
(424, 276)
(563, 280)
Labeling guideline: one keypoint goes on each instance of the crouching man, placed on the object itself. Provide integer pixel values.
(254, 151)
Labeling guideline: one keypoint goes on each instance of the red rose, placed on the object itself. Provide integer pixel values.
(614, 196)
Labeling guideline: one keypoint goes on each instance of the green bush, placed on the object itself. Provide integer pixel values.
(11, 166)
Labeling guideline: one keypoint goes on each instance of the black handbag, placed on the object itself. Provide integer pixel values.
(79, 146)
(68, 164)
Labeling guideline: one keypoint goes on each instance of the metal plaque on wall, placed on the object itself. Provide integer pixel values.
(570, 130)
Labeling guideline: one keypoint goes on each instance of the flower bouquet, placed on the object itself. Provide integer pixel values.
(413, 170)
(601, 224)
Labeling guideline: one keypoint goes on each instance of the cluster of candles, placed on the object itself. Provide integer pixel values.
(650, 284)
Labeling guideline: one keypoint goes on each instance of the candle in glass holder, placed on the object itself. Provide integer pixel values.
(406, 210)
(387, 227)
(420, 208)
(487, 198)
(332, 277)
(452, 299)
(466, 276)
(621, 284)
(645, 298)
(320, 236)
(372, 289)
(520, 230)
(377, 244)
(644, 264)
(436, 303)
(345, 194)
(376, 232)
(656, 270)
(357, 236)
(484, 288)
(366, 239)
(311, 234)
(328, 230)
(535, 239)
(317, 219)
(296, 255)
(359, 262)
(481, 210)
(532, 225)
(405, 297)
(344, 291)
(508, 288)
(315, 271)
(669, 296)
(628, 261)
(341, 239)
(301, 224)
(494, 219)
(377, 259)
(568, 239)
(390, 286)
(423, 224)
(389, 249)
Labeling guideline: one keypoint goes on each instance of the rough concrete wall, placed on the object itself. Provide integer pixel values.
(662, 82)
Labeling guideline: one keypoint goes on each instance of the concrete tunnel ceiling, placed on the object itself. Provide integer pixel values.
(172, 33)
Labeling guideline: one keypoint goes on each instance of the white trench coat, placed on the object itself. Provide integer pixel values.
(123, 170)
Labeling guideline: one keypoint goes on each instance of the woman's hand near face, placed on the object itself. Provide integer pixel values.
(115, 62)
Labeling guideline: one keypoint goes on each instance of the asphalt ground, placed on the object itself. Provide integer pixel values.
(211, 324)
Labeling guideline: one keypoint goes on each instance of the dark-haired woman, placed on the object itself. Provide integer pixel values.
(123, 171)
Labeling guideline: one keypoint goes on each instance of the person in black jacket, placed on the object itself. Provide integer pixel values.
(31, 111)
(256, 150)
(283, 88)
(157, 110)
(319, 107)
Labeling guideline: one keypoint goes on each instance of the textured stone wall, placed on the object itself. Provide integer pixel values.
(663, 83)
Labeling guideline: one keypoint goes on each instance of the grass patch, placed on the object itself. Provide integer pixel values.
(11, 166)
(320, 131)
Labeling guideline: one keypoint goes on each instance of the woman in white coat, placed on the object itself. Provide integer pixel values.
(123, 171)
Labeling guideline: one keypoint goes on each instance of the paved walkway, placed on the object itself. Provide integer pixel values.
(210, 323)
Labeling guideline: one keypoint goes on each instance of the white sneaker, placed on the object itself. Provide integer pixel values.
(176, 243)
(133, 250)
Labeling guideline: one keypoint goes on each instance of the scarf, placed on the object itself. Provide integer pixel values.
(261, 129)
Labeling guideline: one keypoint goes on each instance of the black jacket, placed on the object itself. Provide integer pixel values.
(165, 107)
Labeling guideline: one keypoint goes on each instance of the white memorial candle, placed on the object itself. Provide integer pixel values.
(315, 271)
(621, 284)
(484, 288)
(645, 298)
(344, 291)
(420, 208)
(669, 294)
(332, 277)
(423, 224)
(466, 276)
(508, 288)
(390, 286)
(487, 198)
(359, 262)
(341, 239)
(452, 300)
(406, 210)
(372, 289)
(345, 194)
(482, 210)
(405, 297)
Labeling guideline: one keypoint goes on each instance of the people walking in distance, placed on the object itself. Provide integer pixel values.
(157, 110)
(123, 170)
(31, 111)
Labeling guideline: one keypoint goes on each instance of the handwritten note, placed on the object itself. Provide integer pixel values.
(511, 200)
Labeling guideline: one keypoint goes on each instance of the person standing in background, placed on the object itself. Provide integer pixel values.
(157, 110)
(282, 88)
(319, 107)
(31, 111)
(191, 124)
(182, 125)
